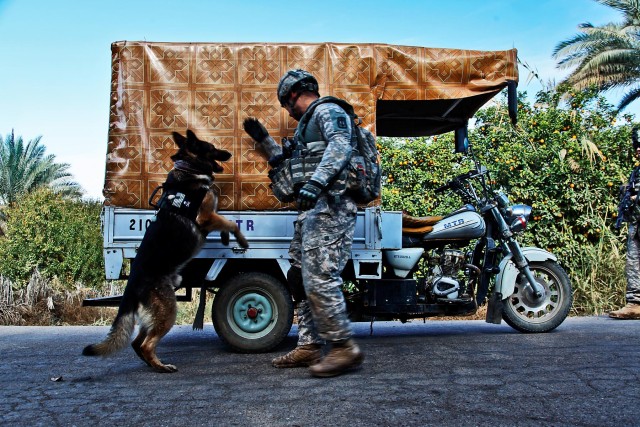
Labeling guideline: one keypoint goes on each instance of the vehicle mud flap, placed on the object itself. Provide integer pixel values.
(494, 308)
(198, 321)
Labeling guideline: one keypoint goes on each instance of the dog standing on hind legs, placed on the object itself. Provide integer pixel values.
(186, 215)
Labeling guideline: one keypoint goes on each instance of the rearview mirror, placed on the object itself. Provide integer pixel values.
(462, 140)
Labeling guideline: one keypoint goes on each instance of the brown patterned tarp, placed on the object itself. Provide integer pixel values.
(210, 88)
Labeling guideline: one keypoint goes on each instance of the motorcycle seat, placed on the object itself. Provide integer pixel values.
(418, 225)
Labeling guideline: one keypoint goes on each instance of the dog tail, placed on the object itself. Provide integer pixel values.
(117, 338)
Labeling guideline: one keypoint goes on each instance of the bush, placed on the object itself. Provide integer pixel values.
(59, 237)
(566, 158)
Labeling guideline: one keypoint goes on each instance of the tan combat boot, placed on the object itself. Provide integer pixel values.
(303, 355)
(629, 311)
(341, 358)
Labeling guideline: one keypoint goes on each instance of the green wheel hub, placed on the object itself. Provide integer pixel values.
(252, 312)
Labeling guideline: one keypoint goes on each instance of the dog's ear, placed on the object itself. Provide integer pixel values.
(191, 136)
(179, 139)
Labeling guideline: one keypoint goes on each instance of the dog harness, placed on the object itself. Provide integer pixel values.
(176, 200)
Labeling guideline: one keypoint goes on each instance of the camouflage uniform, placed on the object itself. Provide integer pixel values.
(632, 267)
(323, 235)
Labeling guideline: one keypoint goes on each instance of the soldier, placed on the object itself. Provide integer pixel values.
(323, 232)
(630, 212)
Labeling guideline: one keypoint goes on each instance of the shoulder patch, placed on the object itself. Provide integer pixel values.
(339, 118)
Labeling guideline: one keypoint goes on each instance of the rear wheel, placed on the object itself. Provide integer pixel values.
(527, 314)
(252, 312)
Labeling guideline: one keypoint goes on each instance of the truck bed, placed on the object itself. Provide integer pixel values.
(269, 234)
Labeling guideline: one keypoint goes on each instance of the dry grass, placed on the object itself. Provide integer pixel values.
(599, 281)
(46, 302)
(187, 310)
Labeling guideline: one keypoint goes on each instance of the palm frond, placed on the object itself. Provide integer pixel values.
(629, 97)
(606, 56)
(23, 168)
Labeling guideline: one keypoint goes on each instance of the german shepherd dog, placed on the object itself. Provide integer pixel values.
(187, 213)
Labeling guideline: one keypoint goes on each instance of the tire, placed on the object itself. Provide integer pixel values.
(252, 312)
(525, 315)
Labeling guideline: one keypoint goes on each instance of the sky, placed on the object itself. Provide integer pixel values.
(56, 54)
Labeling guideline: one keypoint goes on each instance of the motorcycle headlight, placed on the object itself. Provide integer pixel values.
(517, 217)
(518, 210)
(518, 224)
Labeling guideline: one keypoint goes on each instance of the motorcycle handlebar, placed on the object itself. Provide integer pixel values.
(457, 179)
(442, 187)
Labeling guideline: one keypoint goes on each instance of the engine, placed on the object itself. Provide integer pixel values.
(446, 266)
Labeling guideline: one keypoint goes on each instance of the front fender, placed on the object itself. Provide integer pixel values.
(506, 279)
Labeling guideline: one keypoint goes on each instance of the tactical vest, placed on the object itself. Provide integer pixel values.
(183, 203)
(311, 143)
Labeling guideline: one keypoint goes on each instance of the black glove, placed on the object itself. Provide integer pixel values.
(308, 195)
(275, 161)
(255, 129)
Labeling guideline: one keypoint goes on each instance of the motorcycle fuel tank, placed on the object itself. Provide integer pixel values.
(460, 226)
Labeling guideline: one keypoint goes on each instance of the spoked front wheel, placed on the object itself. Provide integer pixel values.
(525, 313)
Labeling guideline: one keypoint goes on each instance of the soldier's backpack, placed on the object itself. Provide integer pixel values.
(364, 171)
(364, 181)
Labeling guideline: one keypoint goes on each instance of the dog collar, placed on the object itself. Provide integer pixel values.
(185, 166)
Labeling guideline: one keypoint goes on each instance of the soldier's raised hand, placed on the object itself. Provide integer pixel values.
(259, 133)
(255, 129)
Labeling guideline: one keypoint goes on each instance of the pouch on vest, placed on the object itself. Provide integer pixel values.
(302, 169)
(281, 182)
(357, 173)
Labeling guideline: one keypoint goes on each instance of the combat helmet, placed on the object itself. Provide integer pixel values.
(298, 80)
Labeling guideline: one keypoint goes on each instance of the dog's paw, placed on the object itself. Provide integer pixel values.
(166, 369)
(242, 241)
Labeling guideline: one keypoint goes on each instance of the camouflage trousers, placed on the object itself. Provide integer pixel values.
(321, 247)
(632, 268)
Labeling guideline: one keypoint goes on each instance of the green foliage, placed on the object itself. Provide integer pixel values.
(566, 158)
(59, 237)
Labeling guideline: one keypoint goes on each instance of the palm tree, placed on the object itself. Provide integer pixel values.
(607, 56)
(25, 168)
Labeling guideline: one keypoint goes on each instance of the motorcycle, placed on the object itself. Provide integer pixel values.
(531, 292)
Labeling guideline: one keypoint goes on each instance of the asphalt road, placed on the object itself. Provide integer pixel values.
(441, 373)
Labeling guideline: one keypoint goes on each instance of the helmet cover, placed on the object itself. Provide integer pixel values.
(298, 80)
